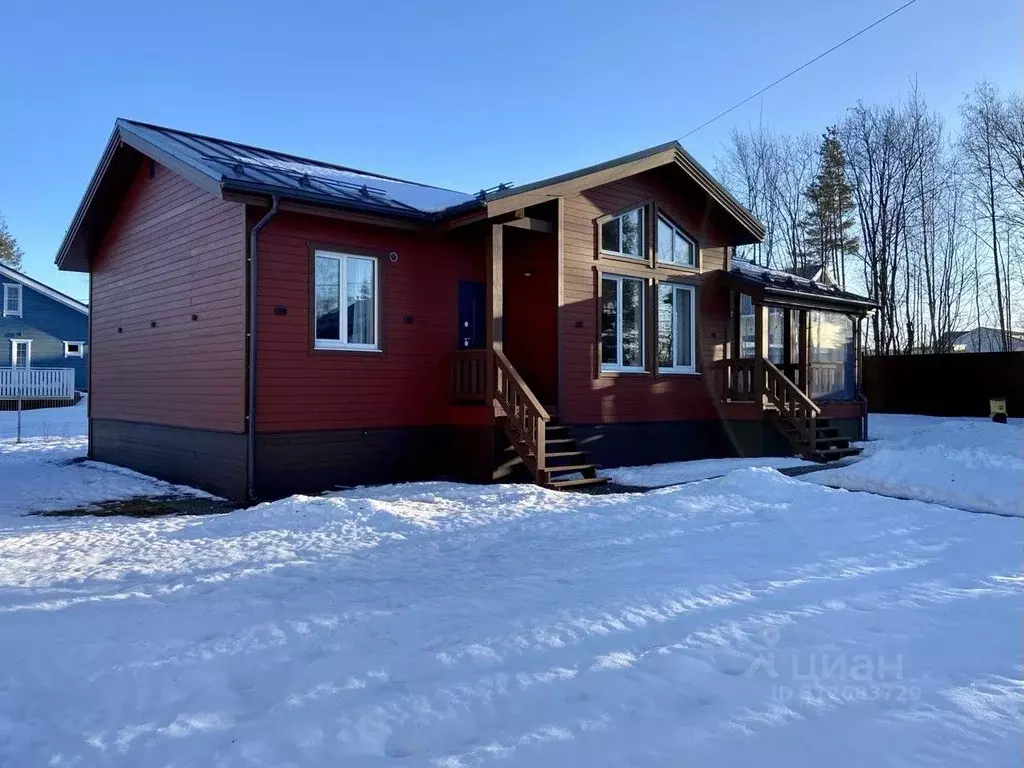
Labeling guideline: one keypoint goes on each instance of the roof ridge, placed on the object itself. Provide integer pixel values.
(289, 155)
(40, 286)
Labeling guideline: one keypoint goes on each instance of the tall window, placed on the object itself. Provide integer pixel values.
(624, 235)
(777, 335)
(747, 345)
(676, 329)
(21, 353)
(622, 324)
(673, 246)
(12, 299)
(346, 301)
(832, 360)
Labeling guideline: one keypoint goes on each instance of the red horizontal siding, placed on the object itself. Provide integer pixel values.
(608, 399)
(405, 385)
(172, 251)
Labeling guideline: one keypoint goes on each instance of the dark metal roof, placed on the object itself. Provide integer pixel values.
(243, 168)
(223, 167)
(784, 288)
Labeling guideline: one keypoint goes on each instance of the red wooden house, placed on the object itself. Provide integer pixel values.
(265, 324)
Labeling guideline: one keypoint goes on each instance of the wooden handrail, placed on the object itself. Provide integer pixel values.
(526, 418)
(794, 406)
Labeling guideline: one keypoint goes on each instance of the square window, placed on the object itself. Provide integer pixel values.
(345, 297)
(74, 349)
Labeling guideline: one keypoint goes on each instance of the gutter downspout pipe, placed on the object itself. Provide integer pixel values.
(250, 458)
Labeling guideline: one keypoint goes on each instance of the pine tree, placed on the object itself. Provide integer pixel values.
(10, 251)
(828, 225)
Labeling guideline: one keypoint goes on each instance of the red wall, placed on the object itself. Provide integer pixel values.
(406, 385)
(172, 252)
(530, 294)
(602, 398)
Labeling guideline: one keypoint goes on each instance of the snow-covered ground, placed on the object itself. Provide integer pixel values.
(753, 619)
(973, 464)
(46, 470)
(45, 423)
(658, 475)
(749, 620)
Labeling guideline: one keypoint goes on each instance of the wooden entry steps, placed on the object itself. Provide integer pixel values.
(546, 448)
(566, 466)
(799, 419)
(827, 446)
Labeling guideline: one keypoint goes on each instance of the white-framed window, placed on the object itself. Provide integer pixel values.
(624, 235)
(676, 328)
(12, 299)
(346, 296)
(674, 246)
(21, 353)
(74, 349)
(622, 323)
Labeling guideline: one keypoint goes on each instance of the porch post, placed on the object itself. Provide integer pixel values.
(495, 300)
(760, 350)
(804, 341)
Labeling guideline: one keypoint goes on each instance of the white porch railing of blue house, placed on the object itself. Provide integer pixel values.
(37, 383)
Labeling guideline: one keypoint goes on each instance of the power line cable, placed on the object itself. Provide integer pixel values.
(803, 66)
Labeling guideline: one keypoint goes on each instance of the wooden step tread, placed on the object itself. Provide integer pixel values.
(834, 454)
(571, 468)
(562, 454)
(556, 484)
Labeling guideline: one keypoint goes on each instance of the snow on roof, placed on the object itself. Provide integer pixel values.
(244, 166)
(774, 278)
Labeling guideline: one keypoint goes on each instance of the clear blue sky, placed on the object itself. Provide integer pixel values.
(460, 94)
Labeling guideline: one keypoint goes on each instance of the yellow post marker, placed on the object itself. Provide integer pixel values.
(997, 410)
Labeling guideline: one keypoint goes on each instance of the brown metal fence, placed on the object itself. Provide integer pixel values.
(954, 384)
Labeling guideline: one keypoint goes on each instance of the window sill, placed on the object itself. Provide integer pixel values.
(685, 268)
(624, 372)
(321, 346)
(670, 372)
(624, 257)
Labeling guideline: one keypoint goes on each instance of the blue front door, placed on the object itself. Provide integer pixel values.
(472, 333)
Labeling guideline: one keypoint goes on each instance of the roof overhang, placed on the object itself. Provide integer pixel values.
(810, 296)
(749, 229)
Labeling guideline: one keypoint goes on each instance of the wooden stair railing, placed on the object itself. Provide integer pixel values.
(525, 418)
(739, 379)
(794, 407)
(530, 430)
(468, 374)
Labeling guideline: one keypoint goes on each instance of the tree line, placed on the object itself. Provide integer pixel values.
(925, 219)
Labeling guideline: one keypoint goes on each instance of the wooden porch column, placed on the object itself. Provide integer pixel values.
(803, 340)
(495, 300)
(760, 350)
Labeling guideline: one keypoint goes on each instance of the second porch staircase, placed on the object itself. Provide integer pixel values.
(547, 450)
(799, 419)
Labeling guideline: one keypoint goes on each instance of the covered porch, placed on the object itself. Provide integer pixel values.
(793, 355)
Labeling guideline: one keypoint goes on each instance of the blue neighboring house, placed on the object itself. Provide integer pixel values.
(41, 327)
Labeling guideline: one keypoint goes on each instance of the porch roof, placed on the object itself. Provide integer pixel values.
(769, 286)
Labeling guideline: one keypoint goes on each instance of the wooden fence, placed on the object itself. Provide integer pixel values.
(955, 384)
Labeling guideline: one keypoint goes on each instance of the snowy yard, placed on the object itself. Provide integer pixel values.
(753, 619)
(973, 464)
